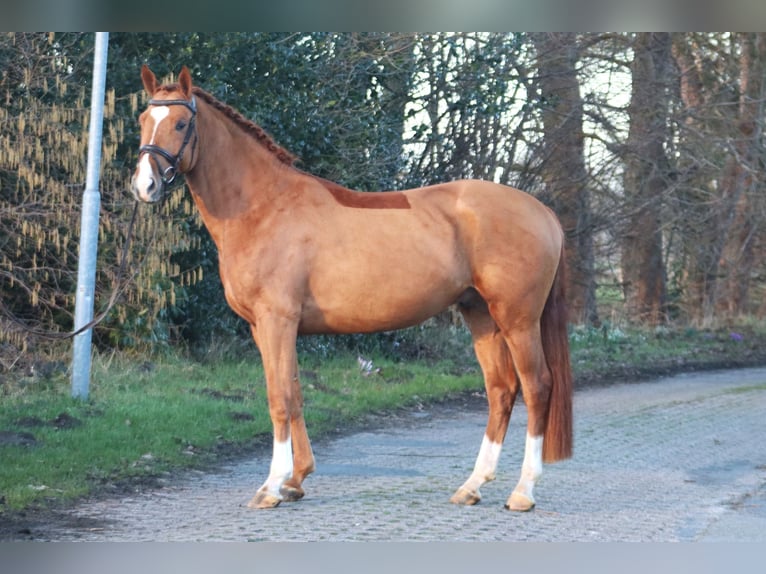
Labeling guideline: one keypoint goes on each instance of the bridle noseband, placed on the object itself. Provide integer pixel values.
(168, 175)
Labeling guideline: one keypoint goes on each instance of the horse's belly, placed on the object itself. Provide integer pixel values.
(381, 306)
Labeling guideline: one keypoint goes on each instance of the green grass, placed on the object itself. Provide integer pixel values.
(612, 354)
(144, 419)
(141, 421)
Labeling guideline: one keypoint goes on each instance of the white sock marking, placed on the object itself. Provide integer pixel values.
(532, 467)
(486, 464)
(281, 466)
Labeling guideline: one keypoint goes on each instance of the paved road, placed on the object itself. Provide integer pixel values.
(678, 459)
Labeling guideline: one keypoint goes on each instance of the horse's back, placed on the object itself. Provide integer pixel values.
(489, 213)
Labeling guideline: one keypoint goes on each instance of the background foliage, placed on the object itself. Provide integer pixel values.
(648, 146)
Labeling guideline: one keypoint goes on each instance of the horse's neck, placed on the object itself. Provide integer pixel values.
(233, 177)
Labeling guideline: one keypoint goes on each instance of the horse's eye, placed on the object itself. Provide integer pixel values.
(180, 125)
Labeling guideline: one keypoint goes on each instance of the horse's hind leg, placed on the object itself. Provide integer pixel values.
(501, 385)
(527, 351)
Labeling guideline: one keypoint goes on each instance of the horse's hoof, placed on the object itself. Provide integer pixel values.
(264, 499)
(291, 493)
(519, 502)
(465, 497)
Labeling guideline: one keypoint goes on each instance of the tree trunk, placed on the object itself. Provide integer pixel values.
(646, 181)
(563, 169)
(698, 223)
(719, 199)
(738, 258)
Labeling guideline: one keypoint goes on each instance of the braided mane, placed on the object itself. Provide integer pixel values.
(248, 126)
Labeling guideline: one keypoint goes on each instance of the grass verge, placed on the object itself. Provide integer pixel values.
(143, 420)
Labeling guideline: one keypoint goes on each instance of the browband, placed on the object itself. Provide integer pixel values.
(192, 105)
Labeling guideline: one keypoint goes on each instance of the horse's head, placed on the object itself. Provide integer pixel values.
(168, 135)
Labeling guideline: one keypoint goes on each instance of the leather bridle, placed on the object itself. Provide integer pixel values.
(168, 175)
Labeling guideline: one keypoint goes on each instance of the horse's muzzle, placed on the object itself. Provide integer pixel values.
(147, 189)
(146, 185)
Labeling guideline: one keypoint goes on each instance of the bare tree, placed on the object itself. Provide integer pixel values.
(468, 113)
(563, 167)
(721, 135)
(646, 179)
(743, 179)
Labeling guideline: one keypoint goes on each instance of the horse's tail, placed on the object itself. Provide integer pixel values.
(558, 436)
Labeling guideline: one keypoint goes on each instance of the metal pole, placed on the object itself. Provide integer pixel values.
(91, 203)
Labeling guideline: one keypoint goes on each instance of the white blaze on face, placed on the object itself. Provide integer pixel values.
(158, 114)
(143, 177)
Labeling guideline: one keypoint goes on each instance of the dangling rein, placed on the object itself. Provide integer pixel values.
(117, 289)
(168, 176)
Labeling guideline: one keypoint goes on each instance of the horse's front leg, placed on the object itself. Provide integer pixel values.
(303, 456)
(276, 338)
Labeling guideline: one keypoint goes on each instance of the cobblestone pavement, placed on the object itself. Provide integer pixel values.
(677, 459)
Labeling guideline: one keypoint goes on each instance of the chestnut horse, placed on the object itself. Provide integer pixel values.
(301, 255)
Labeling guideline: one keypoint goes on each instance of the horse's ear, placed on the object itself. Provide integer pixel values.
(149, 79)
(185, 81)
